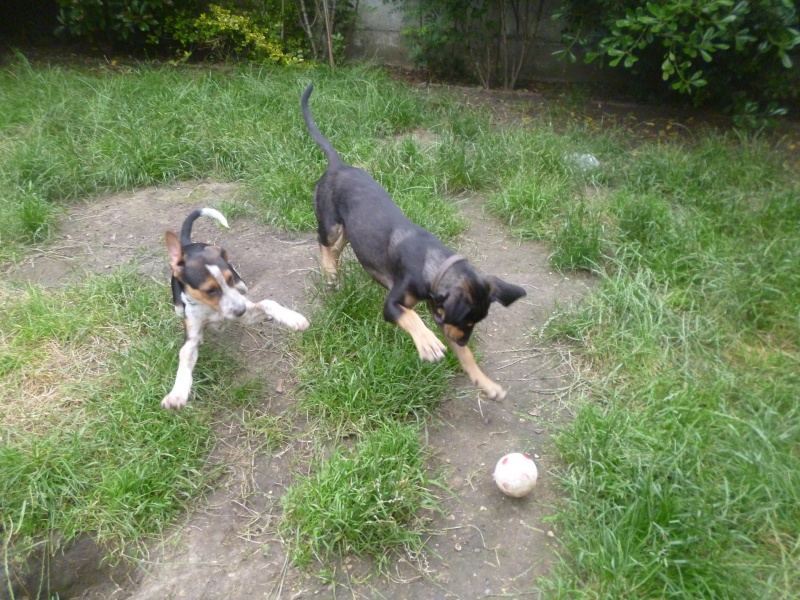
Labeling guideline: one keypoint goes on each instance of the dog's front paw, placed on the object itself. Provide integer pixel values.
(174, 400)
(296, 322)
(285, 316)
(430, 347)
(494, 391)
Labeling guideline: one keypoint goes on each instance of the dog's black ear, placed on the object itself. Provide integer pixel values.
(502, 292)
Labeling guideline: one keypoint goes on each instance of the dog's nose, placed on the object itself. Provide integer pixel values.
(240, 310)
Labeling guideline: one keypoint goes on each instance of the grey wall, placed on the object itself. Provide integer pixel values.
(377, 37)
(377, 34)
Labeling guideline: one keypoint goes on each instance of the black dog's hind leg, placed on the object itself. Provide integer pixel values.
(331, 233)
(331, 247)
(332, 239)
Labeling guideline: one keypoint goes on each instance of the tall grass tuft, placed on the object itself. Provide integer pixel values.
(366, 500)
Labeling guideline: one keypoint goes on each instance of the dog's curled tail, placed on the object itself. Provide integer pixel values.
(316, 135)
(186, 229)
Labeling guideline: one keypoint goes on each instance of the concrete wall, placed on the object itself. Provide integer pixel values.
(378, 37)
(377, 34)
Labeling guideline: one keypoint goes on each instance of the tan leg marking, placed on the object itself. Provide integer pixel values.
(493, 391)
(331, 255)
(429, 346)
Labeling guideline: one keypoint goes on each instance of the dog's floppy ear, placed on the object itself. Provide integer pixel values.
(502, 292)
(175, 252)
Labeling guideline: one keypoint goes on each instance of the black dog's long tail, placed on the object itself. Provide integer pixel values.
(186, 229)
(316, 135)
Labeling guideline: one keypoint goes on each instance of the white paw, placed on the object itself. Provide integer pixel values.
(430, 348)
(174, 400)
(285, 316)
(296, 322)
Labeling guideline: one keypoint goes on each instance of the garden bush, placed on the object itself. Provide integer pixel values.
(221, 33)
(739, 54)
(127, 22)
(267, 31)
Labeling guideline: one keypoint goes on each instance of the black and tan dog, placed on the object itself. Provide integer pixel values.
(207, 289)
(405, 258)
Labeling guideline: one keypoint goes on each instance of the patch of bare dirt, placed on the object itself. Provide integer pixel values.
(484, 545)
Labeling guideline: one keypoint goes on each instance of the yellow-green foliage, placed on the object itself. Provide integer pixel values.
(222, 33)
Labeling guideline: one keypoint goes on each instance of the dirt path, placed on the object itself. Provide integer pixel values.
(484, 545)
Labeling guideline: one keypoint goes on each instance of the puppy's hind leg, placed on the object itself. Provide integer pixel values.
(331, 248)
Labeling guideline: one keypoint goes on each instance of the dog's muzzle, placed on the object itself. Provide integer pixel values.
(456, 334)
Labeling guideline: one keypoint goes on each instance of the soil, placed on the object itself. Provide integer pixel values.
(484, 544)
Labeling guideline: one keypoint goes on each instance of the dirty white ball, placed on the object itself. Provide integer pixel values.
(515, 474)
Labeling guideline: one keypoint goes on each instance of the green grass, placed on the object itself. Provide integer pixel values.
(69, 134)
(357, 371)
(682, 459)
(362, 383)
(82, 132)
(86, 447)
(680, 467)
(363, 499)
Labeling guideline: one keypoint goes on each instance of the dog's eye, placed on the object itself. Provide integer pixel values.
(215, 291)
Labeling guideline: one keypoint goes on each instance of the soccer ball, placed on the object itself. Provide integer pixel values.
(515, 474)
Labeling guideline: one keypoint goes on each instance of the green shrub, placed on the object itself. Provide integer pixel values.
(114, 21)
(712, 49)
(220, 33)
(265, 31)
